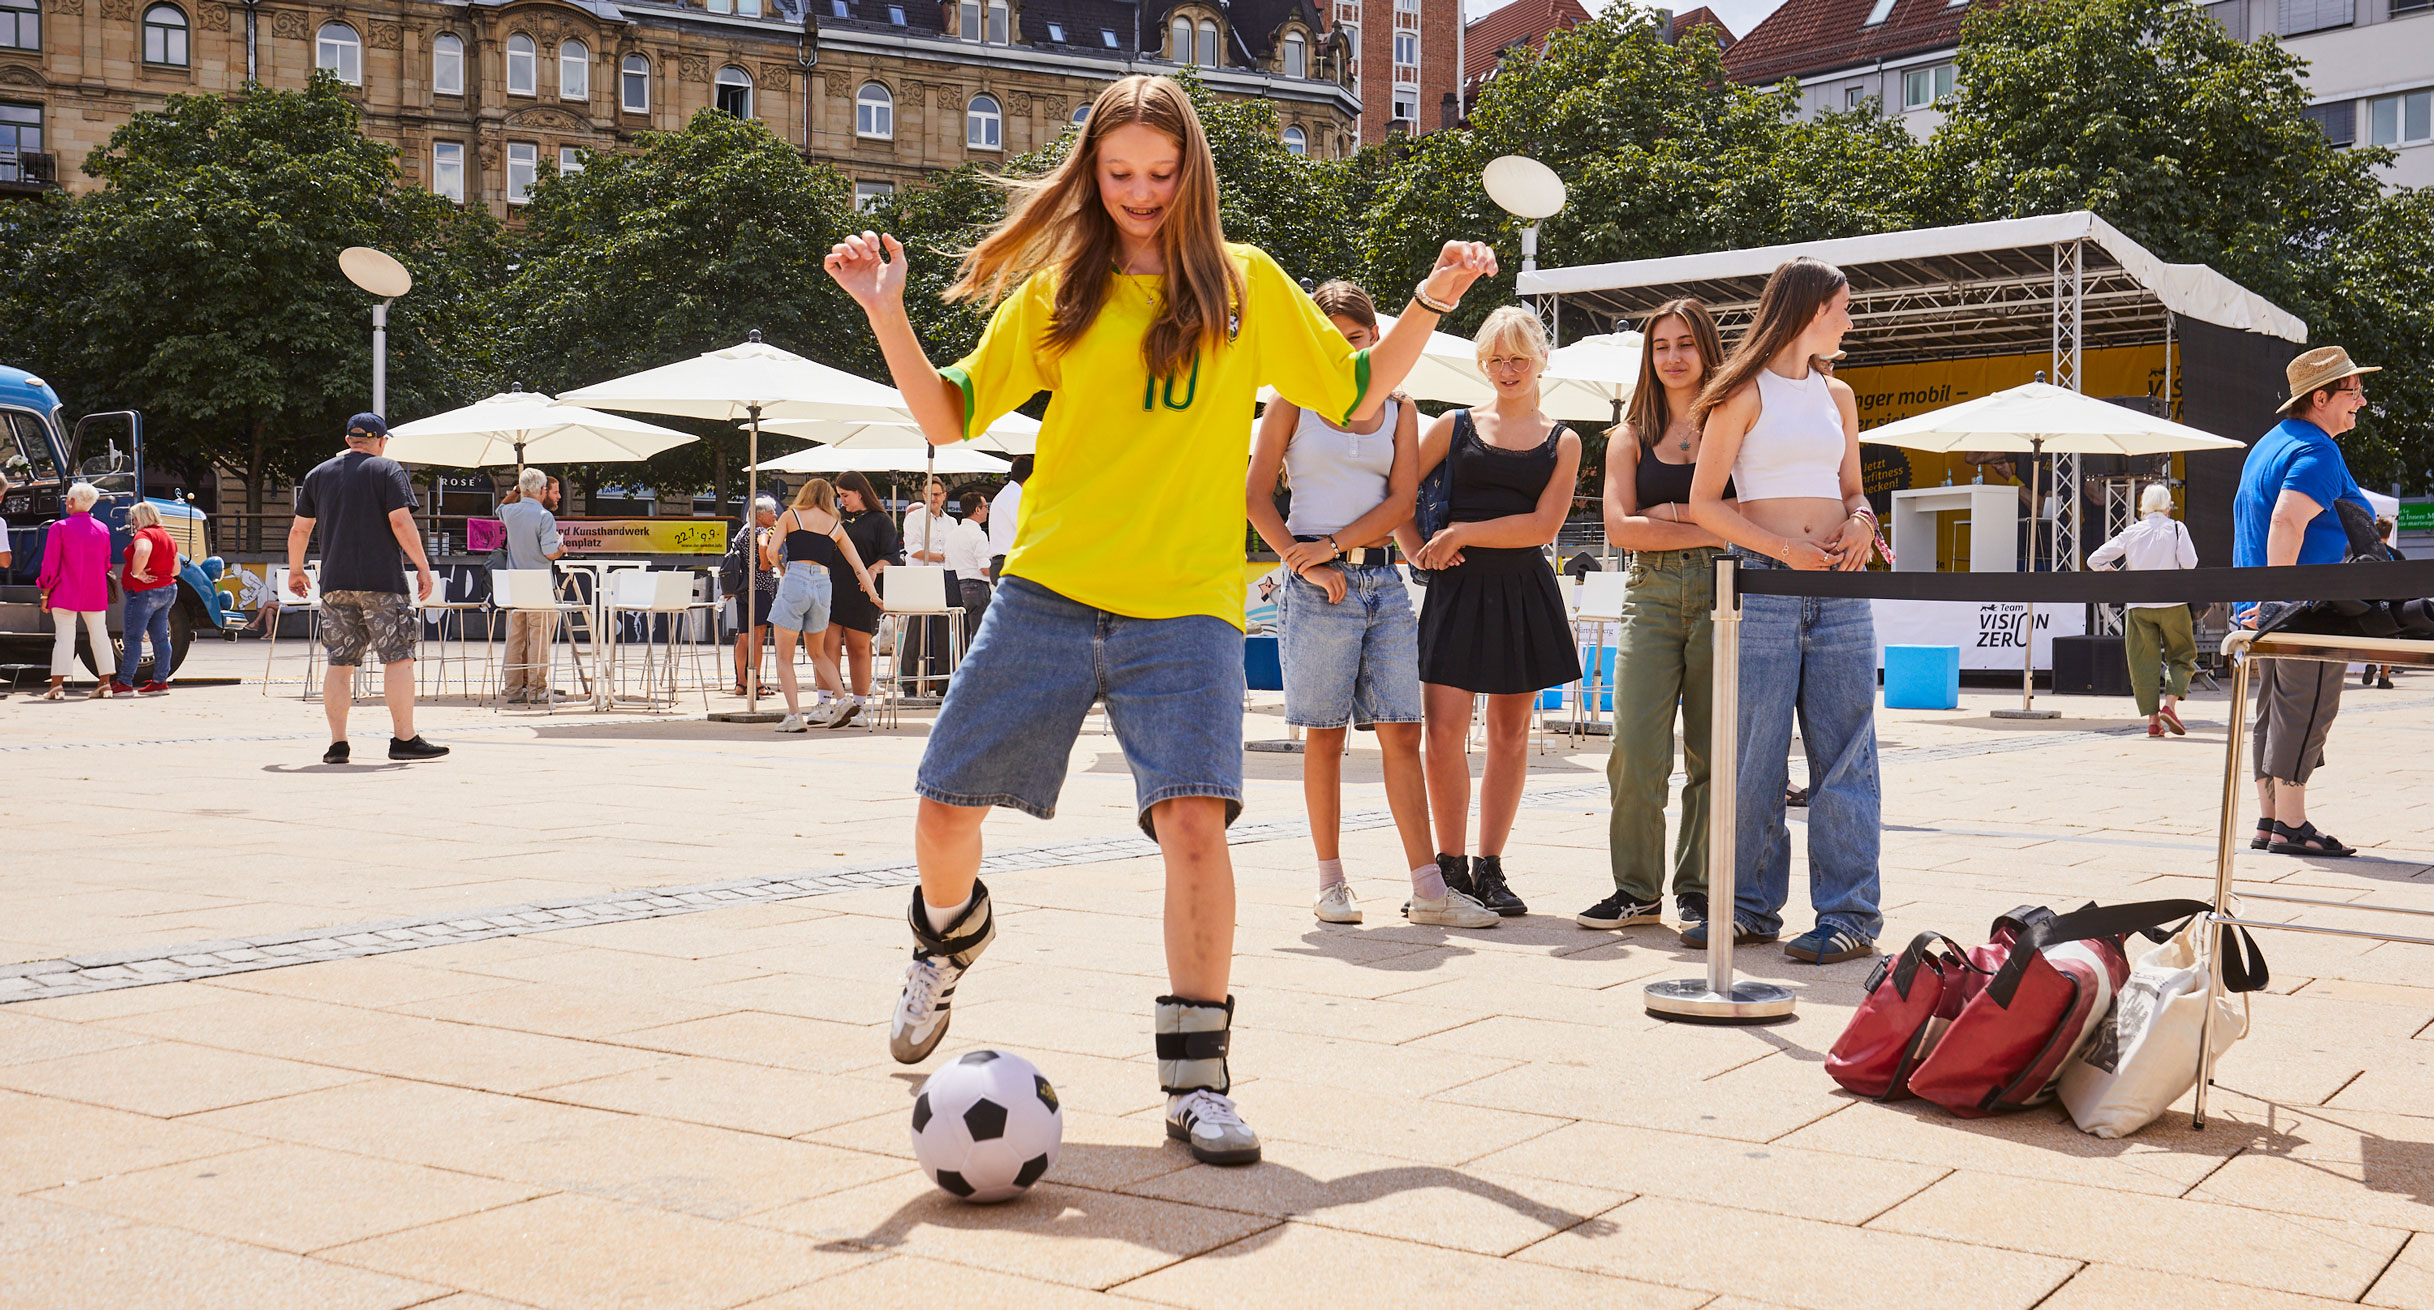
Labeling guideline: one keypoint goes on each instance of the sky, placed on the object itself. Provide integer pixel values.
(1739, 15)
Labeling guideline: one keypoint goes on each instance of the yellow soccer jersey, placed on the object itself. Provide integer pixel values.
(1135, 504)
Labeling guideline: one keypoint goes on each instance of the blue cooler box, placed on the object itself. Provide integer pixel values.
(1922, 677)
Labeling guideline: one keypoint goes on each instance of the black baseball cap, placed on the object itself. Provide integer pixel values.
(367, 426)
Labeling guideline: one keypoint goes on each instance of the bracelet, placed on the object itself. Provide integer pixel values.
(1419, 296)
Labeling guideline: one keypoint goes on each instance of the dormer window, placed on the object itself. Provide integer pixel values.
(993, 13)
(1296, 60)
(1108, 34)
(1056, 33)
(1877, 15)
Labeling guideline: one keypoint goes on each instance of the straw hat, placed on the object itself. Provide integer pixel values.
(2320, 367)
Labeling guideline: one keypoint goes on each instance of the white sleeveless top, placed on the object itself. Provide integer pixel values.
(1795, 448)
(1337, 475)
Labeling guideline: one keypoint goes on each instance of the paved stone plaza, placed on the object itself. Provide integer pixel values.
(593, 1011)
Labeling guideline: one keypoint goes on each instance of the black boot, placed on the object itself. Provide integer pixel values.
(1456, 870)
(1489, 888)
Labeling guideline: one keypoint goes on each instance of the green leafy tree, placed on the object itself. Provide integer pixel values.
(201, 285)
(687, 244)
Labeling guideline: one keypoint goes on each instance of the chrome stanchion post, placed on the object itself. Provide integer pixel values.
(2225, 836)
(1717, 998)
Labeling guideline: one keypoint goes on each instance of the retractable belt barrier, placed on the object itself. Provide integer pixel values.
(2379, 580)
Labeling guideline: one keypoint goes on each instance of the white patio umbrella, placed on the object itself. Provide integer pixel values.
(1015, 434)
(888, 459)
(517, 426)
(2038, 419)
(1448, 370)
(1592, 378)
(747, 383)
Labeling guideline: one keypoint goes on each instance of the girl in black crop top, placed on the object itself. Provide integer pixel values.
(1665, 647)
(806, 540)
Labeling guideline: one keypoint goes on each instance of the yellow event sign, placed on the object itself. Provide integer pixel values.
(644, 536)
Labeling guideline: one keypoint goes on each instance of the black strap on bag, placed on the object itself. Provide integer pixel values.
(1903, 969)
(2035, 928)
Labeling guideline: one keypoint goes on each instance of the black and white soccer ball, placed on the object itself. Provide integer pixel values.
(986, 1126)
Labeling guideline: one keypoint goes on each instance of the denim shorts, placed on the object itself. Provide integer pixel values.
(1173, 689)
(802, 602)
(1355, 661)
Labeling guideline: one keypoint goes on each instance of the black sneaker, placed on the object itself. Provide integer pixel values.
(414, 748)
(1691, 906)
(336, 754)
(1621, 910)
(1489, 888)
(1456, 870)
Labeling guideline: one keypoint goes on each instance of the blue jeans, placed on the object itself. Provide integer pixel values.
(148, 616)
(1815, 658)
(1354, 661)
(1173, 689)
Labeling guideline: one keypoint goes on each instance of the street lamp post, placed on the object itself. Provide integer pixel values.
(384, 277)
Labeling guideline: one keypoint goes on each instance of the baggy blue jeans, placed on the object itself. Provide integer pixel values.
(1814, 658)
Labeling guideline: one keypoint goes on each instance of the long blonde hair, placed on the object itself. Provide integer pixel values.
(1059, 223)
(816, 494)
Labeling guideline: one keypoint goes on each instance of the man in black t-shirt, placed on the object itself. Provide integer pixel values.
(365, 505)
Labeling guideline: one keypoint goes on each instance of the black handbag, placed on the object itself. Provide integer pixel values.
(2412, 618)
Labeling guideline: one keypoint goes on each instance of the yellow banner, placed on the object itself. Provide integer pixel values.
(644, 536)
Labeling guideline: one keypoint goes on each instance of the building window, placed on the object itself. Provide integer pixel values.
(1208, 44)
(1108, 34)
(1182, 40)
(2338, 120)
(1001, 25)
(523, 165)
(447, 65)
(1081, 115)
(448, 170)
(570, 160)
(1855, 95)
(2299, 17)
(2401, 120)
(1922, 87)
(983, 124)
(734, 92)
(1882, 10)
(634, 89)
(1056, 33)
(895, 15)
(1297, 141)
(748, 8)
(1407, 107)
(574, 71)
(20, 135)
(165, 36)
(867, 195)
(20, 25)
(874, 113)
(971, 29)
(1407, 57)
(836, 9)
(1297, 60)
(523, 65)
(719, 6)
(340, 51)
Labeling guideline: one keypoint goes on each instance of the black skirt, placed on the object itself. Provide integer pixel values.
(1496, 625)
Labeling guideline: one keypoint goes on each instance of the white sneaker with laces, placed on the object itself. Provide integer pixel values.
(791, 723)
(920, 1021)
(1206, 1121)
(1452, 910)
(1335, 905)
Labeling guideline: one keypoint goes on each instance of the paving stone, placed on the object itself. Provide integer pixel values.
(146, 1265)
(1304, 1264)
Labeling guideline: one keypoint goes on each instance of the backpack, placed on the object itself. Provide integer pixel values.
(1992, 1029)
(731, 565)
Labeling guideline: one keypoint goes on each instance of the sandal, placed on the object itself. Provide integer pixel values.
(2294, 841)
(2267, 830)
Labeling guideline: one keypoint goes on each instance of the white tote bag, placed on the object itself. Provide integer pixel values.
(2144, 1056)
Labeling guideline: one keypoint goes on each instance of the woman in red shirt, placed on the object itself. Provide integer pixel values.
(149, 577)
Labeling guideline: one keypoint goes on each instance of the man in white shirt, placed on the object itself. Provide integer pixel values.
(1002, 513)
(968, 556)
(2155, 634)
(926, 526)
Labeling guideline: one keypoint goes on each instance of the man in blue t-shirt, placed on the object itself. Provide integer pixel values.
(2284, 515)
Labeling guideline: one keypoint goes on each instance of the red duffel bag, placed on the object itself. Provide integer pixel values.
(1991, 1031)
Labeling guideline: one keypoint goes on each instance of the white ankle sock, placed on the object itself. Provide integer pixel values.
(1428, 881)
(940, 917)
(1330, 874)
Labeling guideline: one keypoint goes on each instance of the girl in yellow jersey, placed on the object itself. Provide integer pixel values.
(1117, 293)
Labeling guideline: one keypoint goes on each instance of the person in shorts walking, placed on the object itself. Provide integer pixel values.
(1350, 644)
(364, 504)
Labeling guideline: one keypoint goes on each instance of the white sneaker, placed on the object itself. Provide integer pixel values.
(791, 723)
(1207, 1122)
(845, 712)
(920, 1020)
(1335, 905)
(1452, 910)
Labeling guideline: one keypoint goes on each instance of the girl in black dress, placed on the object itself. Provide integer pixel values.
(1494, 620)
(854, 617)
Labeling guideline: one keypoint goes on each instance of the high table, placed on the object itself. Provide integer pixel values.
(602, 674)
(2241, 650)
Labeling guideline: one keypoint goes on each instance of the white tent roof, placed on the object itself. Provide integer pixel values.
(2008, 261)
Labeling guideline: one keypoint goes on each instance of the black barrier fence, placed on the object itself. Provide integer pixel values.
(2380, 580)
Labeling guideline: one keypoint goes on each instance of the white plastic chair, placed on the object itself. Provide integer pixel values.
(1597, 602)
(913, 592)
(533, 591)
(653, 595)
(311, 606)
(436, 613)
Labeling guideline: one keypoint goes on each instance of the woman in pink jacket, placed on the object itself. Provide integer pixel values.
(75, 582)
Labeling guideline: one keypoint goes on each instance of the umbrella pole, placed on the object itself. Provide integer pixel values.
(752, 560)
(2028, 619)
